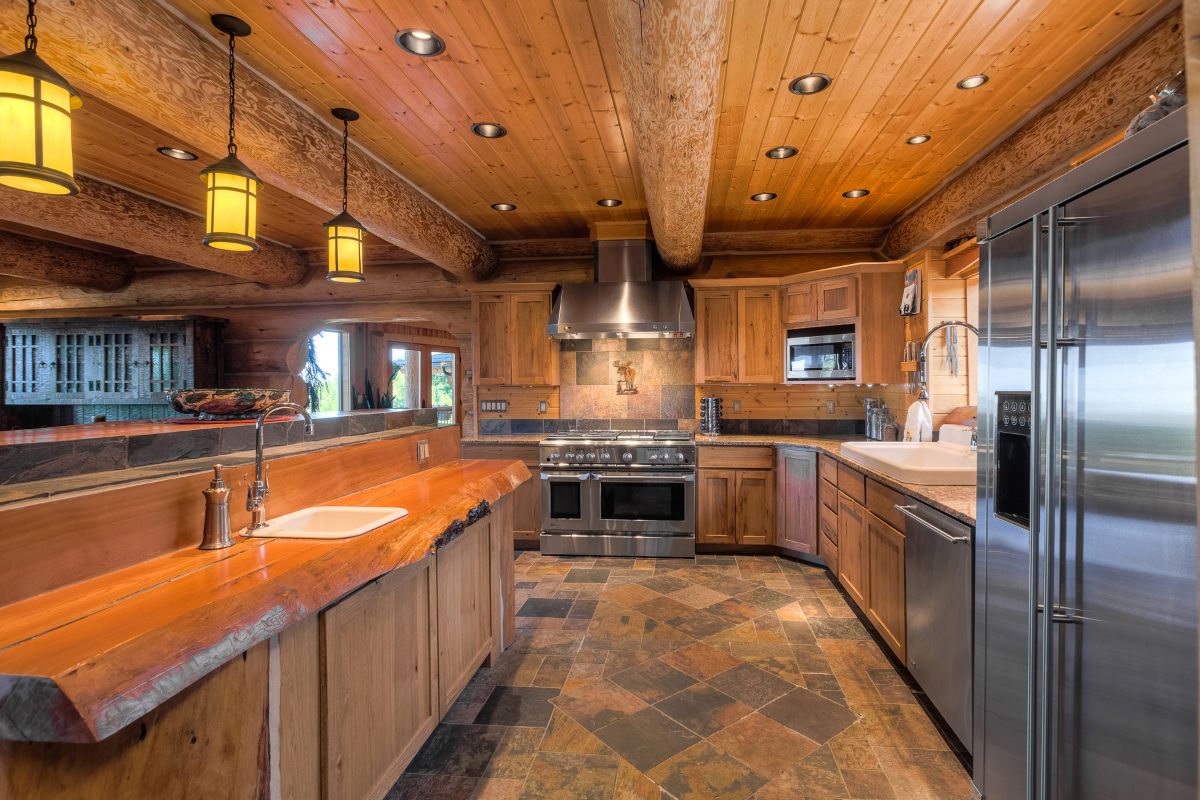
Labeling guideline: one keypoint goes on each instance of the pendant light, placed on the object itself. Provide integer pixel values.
(344, 231)
(231, 189)
(35, 120)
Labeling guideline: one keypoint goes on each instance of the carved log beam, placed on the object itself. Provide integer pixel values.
(670, 57)
(142, 58)
(26, 257)
(116, 217)
(1103, 104)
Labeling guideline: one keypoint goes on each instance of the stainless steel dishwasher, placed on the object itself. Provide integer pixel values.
(939, 601)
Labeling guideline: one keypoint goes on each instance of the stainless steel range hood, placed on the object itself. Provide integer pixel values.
(623, 302)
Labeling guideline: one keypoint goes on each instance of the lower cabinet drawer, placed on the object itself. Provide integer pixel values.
(827, 549)
(827, 523)
(829, 496)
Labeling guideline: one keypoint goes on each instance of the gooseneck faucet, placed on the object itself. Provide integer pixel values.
(256, 495)
(922, 365)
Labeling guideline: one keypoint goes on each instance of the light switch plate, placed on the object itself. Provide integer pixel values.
(543, 406)
(422, 451)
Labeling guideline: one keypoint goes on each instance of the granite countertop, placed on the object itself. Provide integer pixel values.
(82, 661)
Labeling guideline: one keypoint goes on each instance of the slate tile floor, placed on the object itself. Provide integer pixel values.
(719, 678)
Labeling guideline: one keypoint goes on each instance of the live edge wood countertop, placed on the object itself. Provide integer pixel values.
(82, 661)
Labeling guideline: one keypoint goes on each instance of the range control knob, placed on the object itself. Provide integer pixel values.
(680, 457)
(627, 457)
(591, 456)
(570, 455)
(605, 455)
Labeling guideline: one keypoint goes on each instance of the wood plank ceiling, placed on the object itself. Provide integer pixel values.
(547, 70)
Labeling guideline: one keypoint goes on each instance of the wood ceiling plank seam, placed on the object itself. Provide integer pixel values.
(552, 40)
(539, 141)
(615, 138)
(765, 86)
(835, 47)
(535, 77)
(870, 43)
(966, 159)
(518, 176)
(612, 70)
(869, 143)
(781, 214)
(747, 25)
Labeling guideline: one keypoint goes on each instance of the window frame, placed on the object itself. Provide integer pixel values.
(426, 391)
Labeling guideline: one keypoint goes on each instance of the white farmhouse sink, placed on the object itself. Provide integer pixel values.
(330, 522)
(925, 463)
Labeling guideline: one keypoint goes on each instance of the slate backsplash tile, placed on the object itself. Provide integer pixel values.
(593, 369)
(646, 403)
(589, 379)
(678, 401)
(494, 427)
(526, 426)
(575, 345)
(668, 367)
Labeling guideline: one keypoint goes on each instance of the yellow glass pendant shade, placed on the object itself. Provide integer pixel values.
(230, 205)
(345, 249)
(35, 126)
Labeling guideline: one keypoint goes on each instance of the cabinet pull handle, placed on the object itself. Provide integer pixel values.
(908, 512)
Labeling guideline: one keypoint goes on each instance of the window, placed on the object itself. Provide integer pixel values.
(424, 376)
(325, 372)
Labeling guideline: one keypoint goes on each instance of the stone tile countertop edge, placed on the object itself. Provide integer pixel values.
(957, 501)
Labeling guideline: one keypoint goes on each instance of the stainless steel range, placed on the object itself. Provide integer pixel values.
(619, 493)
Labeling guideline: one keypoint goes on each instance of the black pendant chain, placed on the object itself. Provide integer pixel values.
(31, 23)
(345, 162)
(232, 96)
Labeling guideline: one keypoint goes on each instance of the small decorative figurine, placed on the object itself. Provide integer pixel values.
(625, 384)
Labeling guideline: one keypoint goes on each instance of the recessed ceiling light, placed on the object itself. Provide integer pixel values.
(504, 206)
(972, 81)
(489, 130)
(783, 151)
(420, 42)
(609, 202)
(856, 193)
(811, 84)
(920, 138)
(763, 197)
(177, 153)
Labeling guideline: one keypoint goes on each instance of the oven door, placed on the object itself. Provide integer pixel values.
(658, 502)
(567, 500)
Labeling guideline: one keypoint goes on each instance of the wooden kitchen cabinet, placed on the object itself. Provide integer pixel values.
(837, 298)
(853, 569)
(800, 302)
(758, 336)
(527, 498)
(467, 589)
(510, 342)
(716, 504)
(754, 501)
(796, 502)
(885, 603)
(716, 336)
(380, 684)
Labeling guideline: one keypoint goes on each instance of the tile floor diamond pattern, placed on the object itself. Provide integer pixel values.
(718, 678)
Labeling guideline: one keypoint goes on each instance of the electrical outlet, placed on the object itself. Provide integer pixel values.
(422, 451)
(737, 405)
(543, 407)
(829, 406)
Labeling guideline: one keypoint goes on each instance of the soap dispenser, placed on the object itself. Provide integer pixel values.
(216, 514)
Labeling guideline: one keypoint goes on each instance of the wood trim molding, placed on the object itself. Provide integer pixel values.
(1102, 104)
(805, 240)
(670, 52)
(122, 51)
(116, 217)
(26, 257)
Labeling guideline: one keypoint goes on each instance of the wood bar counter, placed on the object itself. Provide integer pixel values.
(312, 667)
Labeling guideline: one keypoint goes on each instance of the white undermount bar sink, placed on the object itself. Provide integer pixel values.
(330, 522)
(924, 463)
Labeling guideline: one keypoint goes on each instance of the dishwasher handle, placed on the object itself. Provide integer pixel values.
(908, 512)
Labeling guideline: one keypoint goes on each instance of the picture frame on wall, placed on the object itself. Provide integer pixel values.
(910, 298)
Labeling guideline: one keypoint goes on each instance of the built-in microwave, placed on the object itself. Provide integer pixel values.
(820, 354)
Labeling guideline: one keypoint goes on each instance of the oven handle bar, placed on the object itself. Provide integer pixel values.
(583, 476)
(643, 477)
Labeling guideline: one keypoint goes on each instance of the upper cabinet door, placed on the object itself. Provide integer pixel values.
(492, 358)
(716, 336)
(759, 333)
(534, 355)
(837, 298)
(800, 303)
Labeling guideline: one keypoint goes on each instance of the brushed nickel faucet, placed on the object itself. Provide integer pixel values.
(256, 495)
(922, 356)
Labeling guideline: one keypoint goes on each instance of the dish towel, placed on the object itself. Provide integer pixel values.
(918, 426)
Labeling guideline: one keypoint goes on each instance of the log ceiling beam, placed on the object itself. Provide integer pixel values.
(1101, 105)
(669, 53)
(26, 257)
(142, 58)
(116, 217)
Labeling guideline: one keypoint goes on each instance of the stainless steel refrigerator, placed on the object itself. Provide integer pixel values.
(1087, 484)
